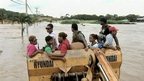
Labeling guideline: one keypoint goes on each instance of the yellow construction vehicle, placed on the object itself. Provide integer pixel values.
(79, 65)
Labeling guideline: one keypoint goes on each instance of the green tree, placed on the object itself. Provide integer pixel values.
(108, 16)
(101, 16)
(23, 18)
(84, 17)
(2, 15)
(132, 17)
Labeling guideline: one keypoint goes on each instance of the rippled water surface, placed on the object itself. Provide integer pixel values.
(13, 49)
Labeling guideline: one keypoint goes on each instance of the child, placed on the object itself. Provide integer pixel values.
(63, 47)
(93, 39)
(31, 49)
(48, 47)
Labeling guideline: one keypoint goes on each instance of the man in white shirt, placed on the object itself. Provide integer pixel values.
(109, 38)
(49, 29)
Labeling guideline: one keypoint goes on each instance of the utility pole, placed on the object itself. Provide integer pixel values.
(26, 8)
(36, 11)
(26, 12)
(36, 15)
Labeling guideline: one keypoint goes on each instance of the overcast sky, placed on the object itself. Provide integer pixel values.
(59, 8)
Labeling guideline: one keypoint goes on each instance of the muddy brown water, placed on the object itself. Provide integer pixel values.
(13, 48)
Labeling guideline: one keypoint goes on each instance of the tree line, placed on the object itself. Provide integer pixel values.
(15, 17)
(7, 16)
(130, 17)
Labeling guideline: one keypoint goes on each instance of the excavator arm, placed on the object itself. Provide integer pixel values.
(107, 73)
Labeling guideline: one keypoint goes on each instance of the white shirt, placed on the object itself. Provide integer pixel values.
(109, 41)
(93, 46)
(52, 34)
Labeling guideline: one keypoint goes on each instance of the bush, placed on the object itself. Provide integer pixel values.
(70, 21)
(117, 22)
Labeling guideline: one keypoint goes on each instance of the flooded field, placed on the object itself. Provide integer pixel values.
(13, 48)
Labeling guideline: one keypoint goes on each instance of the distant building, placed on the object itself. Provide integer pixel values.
(141, 19)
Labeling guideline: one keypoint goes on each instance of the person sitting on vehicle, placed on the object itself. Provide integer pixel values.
(78, 36)
(31, 48)
(63, 47)
(64, 43)
(104, 32)
(110, 37)
(48, 47)
(93, 40)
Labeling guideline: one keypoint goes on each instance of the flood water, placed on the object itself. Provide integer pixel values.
(13, 49)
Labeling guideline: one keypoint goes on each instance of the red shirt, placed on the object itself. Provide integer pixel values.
(31, 49)
(64, 46)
